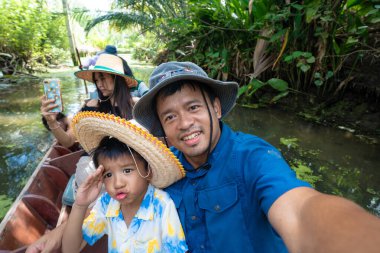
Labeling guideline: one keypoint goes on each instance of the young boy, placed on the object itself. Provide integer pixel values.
(136, 216)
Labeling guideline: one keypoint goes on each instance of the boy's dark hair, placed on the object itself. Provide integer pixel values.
(177, 86)
(112, 148)
(60, 118)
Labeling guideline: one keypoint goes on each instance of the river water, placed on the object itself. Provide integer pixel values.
(334, 160)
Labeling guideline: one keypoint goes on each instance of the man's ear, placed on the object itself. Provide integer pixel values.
(217, 107)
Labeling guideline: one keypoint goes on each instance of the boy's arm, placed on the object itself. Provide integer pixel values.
(88, 191)
(72, 239)
(309, 221)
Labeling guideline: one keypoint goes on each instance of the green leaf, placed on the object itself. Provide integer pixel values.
(278, 84)
(352, 3)
(297, 6)
(311, 10)
(310, 59)
(281, 95)
(297, 54)
(336, 47)
(318, 82)
(242, 90)
(329, 74)
(255, 84)
(288, 58)
(305, 67)
(289, 142)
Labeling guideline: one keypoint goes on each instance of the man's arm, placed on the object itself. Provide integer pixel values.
(309, 221)
(48, 243)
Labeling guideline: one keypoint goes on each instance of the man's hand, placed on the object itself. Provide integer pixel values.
(48, 243)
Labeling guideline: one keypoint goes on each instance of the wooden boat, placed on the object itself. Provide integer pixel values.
(39, 208)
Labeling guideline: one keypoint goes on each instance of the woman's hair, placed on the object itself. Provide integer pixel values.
(121, 93)
(112, 148)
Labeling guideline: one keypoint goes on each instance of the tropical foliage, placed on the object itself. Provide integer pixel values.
(31, 33)
(303, 45)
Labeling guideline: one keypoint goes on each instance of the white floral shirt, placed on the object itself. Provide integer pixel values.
(155, 227)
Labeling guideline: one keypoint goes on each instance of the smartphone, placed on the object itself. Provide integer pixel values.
(52, 89)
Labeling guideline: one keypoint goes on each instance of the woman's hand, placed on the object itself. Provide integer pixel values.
(46, 106)
(89, 190)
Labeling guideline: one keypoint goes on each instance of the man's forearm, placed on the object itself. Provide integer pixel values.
(309, 221)
(334, 224)
(50, 242)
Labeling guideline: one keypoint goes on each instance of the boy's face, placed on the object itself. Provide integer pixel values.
(104, 83)
(122, 180)
(186, 122)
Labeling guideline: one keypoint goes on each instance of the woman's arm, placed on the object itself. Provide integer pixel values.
(66, 138)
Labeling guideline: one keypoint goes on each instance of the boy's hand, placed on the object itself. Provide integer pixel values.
(89, 190)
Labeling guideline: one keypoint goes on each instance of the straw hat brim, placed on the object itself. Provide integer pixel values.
(144, 111)
(91, 127)
(87, 75)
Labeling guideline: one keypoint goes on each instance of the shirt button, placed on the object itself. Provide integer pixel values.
(202, 246)
(194, 217)
(217, 208)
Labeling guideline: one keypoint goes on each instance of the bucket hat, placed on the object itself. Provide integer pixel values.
(91, 127)
(167, 73)
(107, 63)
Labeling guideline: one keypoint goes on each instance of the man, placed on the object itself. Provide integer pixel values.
(239, 195)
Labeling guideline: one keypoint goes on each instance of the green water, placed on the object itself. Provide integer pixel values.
(334, 160)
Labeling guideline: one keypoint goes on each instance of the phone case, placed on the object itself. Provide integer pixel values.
(52, 89)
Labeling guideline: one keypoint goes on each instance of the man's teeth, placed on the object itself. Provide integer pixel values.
(191, 136)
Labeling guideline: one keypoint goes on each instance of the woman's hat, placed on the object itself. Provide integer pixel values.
(107, 63)
(170, 72)
(91, 127)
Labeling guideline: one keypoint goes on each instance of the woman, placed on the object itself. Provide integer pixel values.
(115, 83)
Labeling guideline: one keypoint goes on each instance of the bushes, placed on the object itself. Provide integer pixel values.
(30, 32)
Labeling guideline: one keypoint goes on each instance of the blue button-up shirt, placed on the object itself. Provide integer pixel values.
(224, 208)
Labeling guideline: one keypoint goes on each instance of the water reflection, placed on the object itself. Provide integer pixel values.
(348, 167)
(23, 139)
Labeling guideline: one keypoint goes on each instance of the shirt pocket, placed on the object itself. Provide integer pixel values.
(218, 199)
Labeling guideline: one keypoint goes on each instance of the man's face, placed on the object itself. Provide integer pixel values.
(186, 122)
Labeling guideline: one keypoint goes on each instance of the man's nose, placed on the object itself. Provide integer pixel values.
(185, 121)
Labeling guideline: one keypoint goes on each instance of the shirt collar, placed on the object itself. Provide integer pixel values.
(145, 212)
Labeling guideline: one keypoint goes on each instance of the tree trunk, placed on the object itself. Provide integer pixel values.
(69, 34)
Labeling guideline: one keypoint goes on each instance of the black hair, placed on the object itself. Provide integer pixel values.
(60, 118)
(127, 69)
(112, 148)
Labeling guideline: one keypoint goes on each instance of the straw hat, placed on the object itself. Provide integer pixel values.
(170, 72)
(107, 63)
(91, 127)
